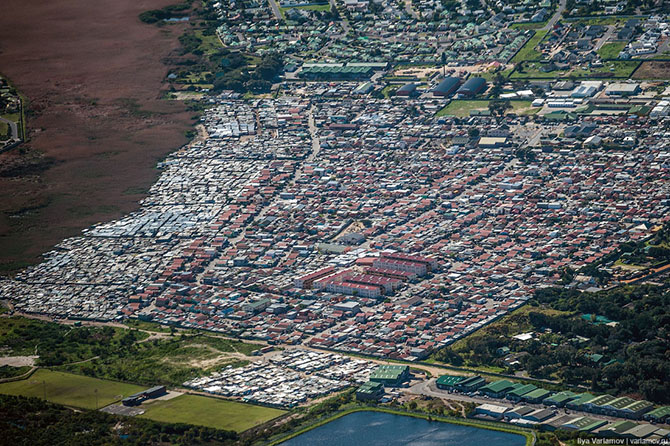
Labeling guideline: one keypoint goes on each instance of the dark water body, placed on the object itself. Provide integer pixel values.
(384, 429)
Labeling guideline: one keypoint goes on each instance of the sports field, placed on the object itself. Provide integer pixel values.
(69, 389)
(462, 108)
(210, 412)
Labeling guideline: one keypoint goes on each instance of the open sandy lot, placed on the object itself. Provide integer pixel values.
(92, 73)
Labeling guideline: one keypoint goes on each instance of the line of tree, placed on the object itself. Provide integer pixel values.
(35, 422)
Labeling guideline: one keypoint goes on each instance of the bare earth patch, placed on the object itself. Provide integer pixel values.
(18, 361)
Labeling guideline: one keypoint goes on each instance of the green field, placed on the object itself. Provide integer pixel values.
(611, 50)
(147, 326)
(70, 390)
(210, 412)
(601, 20)
(462, 108)
(528, 25)
(610, 69)
(528, 51)
(4, 131)
(618, 68)
(324, 7)
(210, 43)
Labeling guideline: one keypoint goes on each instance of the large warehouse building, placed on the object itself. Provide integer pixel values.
(472, 87)
(447, 87)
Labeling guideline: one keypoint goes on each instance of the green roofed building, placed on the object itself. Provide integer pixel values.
(446, 382)
(660, 414)
(597, 403)
(584, 424)
(617, 428)
(635, 409)
(390, 375)
(370, 391)
(618, 403)
(470, 384)
(536, 396)
(520, 390)
(497, 389)
(577, 403)
(560, 399)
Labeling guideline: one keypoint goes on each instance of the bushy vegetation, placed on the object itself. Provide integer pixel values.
(60, 344)
(113, 353)
(11, 372)
(231, 76)
(34, 422)
(629, 356)
(169, 361)
(636, 347)
(158, 15)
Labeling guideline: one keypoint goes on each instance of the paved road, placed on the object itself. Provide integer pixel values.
(275, 9)
(13, 127)
(428, 388)
(611, 29)
(556, 17)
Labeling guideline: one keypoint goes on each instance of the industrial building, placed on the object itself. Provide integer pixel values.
(472, 87)
(370, 391)
(560, 399)
(137, 398)
(497, 389)
(390, 375)
(470, 384)
(622, 89)
(447, 87)
(406, 90)
(447, 382)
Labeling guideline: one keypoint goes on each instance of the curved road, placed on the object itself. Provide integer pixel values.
(12, 125)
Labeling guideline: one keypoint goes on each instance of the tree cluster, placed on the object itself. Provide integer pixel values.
(34, 422)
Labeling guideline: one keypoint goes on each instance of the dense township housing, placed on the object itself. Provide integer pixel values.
(387, 274)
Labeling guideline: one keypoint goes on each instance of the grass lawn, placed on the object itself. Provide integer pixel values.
(462, 108)
(4, 130)
(528, 25)
(619, 68)
(600, 20)
(210, 412)
(523, 108)
(16, 117)
(611, 50)
(389, 90)
(70, 390)
(324, 7)
(490, 75)
(148, 326)
(611, 68)
(528, 51)
(210, 44)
